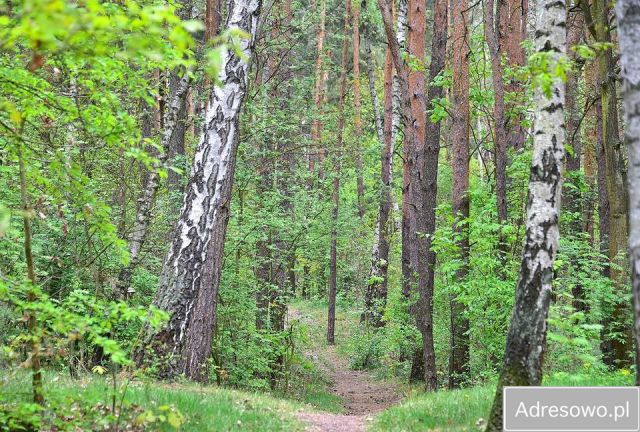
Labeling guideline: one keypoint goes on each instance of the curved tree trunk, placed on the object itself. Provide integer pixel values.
(191, 271)
(152, 183)
(526, 339)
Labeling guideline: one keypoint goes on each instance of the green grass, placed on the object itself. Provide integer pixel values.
(466, 409)
(205, 408)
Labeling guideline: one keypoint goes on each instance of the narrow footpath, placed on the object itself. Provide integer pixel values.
(361, 395)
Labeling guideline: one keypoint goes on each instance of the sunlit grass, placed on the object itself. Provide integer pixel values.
(205, 408)
(467, 409)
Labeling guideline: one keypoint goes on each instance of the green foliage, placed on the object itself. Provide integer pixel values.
(545, 69)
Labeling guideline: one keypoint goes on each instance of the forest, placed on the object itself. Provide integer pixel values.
(314, 215)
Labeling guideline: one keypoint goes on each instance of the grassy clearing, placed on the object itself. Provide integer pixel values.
(466, 409)
(204, 408)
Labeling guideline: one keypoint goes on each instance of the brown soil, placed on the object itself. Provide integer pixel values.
(362, 396)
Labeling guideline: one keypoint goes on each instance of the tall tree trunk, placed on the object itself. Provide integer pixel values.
(335, 196)
(500, 121)
(152, 183)
(357, 117)
(191, 272)
(376, 291)
(459, 349)
(526, 339)
(512, 31)
(615, 349)
(414, 107)
(414, 163)
(316, 124)
(573, 199)
(591, 145)
(628, 13)
(429, 190)
(37, 387)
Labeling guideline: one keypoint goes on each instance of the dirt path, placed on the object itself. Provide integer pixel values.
(362, 396)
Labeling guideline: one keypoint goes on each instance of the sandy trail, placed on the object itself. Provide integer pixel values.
(362, 396)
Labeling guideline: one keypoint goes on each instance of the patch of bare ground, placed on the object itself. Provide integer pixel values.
(362, 396)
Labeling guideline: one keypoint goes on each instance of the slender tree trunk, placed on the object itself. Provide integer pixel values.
(526, 339)
(628, 13)
(316, 125)
(573, 199)
(357, 117)
(429, 190)
(459, 349)
(211, 28)
(152, 183)
(376, 291)
(32, 320)
(414, 162)
(512, 31)
(191, 271)
(412, 110)
(500, 121)
(590, 147)
(615, 349)
(335, 196)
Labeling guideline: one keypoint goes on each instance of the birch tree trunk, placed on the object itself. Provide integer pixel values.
(335, 195)
(191, 271)
(152, 183)
(376, 291)
(628, 13)
(526, 339)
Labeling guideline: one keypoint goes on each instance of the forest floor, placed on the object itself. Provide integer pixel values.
(362, 396)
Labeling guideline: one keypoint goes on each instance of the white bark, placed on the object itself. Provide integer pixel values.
(147, 198)
(527, 331)
(628, 13)
(191, 271)
(401, 36)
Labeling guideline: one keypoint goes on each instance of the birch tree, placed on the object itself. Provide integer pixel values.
(628, 13)
(526, 338)
(191, 271)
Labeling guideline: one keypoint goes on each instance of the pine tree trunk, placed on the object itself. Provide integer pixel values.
(357, 117)
(191, 272)
(628, 13)
(412, 110)
(512, 31)
(459, 349)
(526, 339)
(429, 190)
(316, 124)
(572, 196)
(615, 349)
(500, 122)
(335, 195)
